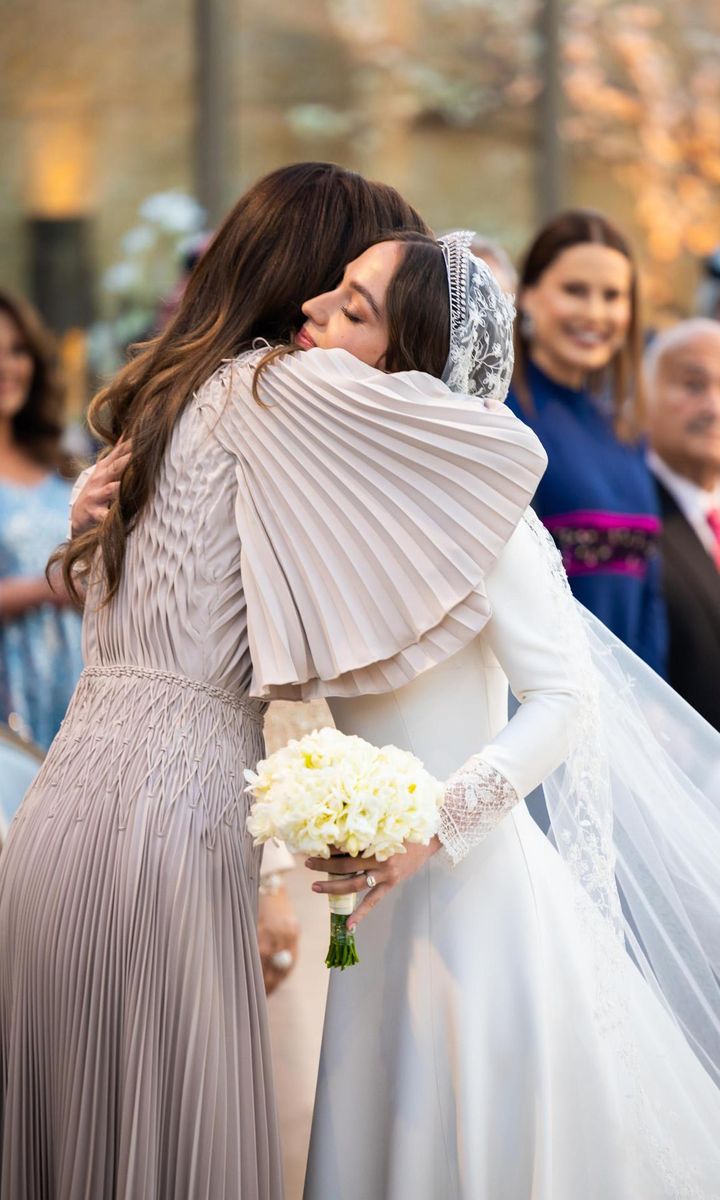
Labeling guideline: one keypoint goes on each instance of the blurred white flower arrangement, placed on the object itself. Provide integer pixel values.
(147, 272)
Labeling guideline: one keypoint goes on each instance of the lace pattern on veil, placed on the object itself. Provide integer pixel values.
(582, 818)
(480, 362)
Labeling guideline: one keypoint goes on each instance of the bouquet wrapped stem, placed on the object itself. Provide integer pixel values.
(342, 951)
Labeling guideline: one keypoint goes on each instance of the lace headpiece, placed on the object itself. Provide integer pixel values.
(480, 361)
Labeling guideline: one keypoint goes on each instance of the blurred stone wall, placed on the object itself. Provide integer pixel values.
(97, 112)
(97, 108)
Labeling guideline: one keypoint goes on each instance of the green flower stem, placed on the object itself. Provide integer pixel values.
(343, 951)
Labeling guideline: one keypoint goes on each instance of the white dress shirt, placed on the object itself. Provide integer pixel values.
(693, 501)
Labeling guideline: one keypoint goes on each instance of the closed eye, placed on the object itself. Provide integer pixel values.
(694, 384)
(356, 320)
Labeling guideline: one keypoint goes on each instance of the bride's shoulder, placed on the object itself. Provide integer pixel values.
(331, 390)
(266, 367)
(295, 376)
(331, 365)
(338, 380)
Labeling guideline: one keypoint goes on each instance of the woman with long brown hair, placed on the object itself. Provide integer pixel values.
(40, 656)
(578, 384)
(135, 1059)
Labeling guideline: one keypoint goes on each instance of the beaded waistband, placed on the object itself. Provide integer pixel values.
(593, 542)
(254, 710)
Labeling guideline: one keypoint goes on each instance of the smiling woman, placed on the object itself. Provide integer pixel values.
(580, 310)
(577, 383)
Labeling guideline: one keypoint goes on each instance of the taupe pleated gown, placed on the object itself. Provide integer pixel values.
(332, 542)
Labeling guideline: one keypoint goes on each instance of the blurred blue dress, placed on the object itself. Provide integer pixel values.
(40, 652)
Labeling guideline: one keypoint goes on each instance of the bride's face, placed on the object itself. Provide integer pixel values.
(352, 317)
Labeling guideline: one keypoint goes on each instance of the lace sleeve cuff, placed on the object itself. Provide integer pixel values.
(477, 797)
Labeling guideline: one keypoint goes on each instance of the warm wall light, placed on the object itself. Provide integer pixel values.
(59, 176)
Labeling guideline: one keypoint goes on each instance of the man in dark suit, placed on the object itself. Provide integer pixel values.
(683, 383)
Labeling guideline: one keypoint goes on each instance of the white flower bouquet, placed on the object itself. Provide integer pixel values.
(330, 791)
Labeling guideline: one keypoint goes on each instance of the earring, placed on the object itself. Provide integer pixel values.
(527, 325)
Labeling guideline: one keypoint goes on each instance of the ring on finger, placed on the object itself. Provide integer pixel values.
(370, 880)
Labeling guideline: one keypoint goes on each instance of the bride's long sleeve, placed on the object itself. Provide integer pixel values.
(525, 633)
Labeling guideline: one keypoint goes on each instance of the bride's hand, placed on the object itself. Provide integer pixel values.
(387, 874)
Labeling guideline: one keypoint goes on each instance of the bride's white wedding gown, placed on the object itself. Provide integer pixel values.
(495, 1042)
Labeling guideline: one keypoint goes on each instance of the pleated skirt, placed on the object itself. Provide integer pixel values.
(135, 1053)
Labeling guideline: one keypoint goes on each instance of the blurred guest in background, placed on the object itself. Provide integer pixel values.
(194, 249)
(683, 389)
(492, 253)
(278, 926)
(708, 297)
(577, 382)
(40, 656)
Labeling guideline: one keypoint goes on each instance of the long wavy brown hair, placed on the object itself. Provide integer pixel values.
(288, 238)
(38, 426)
(621, 381)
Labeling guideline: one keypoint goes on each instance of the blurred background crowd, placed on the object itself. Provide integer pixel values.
(580, 138)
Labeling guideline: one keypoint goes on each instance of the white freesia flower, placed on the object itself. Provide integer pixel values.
(330, 790)
(121, 277)
(138, 240)
(173, 211)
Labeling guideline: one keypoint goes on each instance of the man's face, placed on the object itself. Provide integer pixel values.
(684, 408)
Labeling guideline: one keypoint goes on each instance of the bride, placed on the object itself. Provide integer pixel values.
(498, 1039)
(515, 1029)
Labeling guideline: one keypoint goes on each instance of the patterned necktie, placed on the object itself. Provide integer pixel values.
(713, 520)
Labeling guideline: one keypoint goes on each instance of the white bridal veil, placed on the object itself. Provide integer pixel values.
(635, 811)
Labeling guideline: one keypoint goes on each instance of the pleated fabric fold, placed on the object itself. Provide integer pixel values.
(370, 509)
(135, 1052)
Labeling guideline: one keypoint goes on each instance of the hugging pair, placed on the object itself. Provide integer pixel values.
(343, 515)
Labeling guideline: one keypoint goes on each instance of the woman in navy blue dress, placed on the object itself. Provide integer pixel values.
(577, 383)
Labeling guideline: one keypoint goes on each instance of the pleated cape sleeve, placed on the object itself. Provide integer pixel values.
(370, 509)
